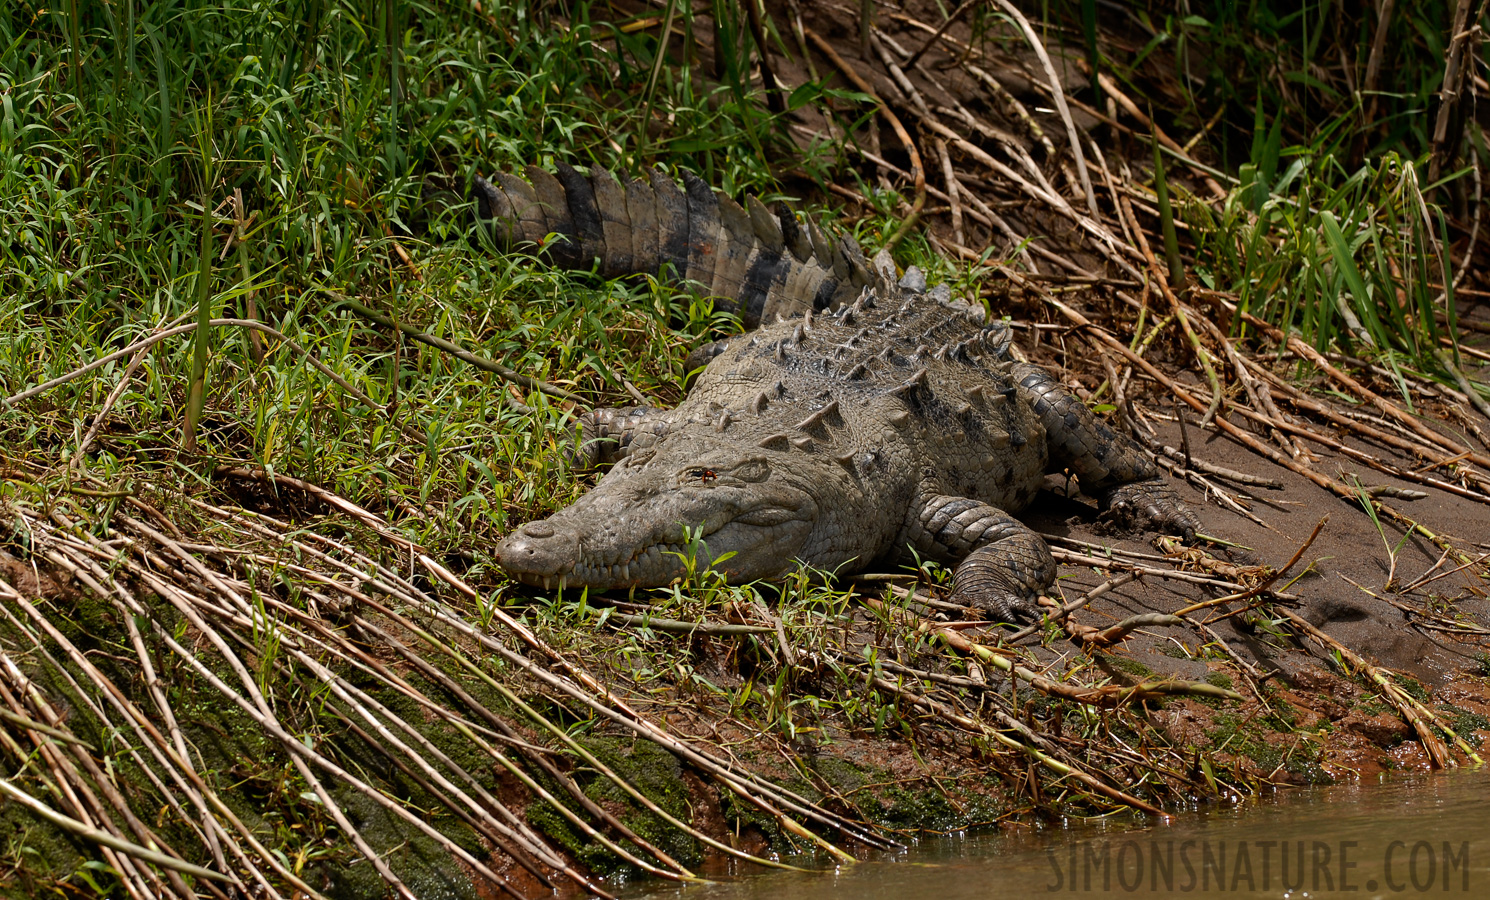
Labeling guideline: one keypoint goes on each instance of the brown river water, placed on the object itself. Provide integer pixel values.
(1408, 836)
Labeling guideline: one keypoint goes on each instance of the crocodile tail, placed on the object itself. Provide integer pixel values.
(758, 262)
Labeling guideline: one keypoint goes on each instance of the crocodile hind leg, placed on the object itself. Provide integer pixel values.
(1126, 482)
(1003, 564)
(609, 435)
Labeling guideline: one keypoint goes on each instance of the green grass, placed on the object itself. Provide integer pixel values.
(126, 130)
(1352, 260)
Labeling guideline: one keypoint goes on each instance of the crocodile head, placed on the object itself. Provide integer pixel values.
(633, 529)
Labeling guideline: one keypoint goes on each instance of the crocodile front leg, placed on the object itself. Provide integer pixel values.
(1003, 564)
(1112, 468)
(609, 435)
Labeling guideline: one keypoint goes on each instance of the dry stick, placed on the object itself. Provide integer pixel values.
(1056, 616)
(1210, 468)
(1131, 108)
(1391, 410)
(1106, 242)
(992, 84)
(1372, 461)
(1059, 94)
(1181, 312)
(981, 212)
(128, 606)
(1417, 715)
(173, 332)
(365, 706)
(644, 728)
(395, 585)
(108, 404)
(1081, 559)
(951, 178)
(1453, 79)
(936, 35)
(54, 733)
(618, 710)
(69, 788)
(918, 172)
(140, 722)
(1105, 637)
(515, 831)
(1111, 185)
(574, 746)
(678, 871)
(1241, 436)
(211, 828)
(105, 785)
(1373, 62)
(1254, 390)
(343, 690)
(1474, 227)
(68, 823)
(1035, 753)
(151, 740)
(325, 496)
(1304, 402)
(485, 365)
(257, 709)
(363, 661)
(1090, 696)
(142, 345)
(1464, 384)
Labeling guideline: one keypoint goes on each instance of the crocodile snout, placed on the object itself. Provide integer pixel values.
(539, 551)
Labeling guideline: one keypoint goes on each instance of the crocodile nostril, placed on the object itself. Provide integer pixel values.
(538, 530)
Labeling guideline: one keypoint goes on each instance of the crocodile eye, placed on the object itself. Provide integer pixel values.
(701, 474)
(755, 470)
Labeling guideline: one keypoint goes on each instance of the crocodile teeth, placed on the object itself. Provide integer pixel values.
(780, 350)
(976, 393)
(847, 461)
(963, 410)
(802, 443)
(759, 404)
(723, 422)
(858, 372)
(807, 320)
(797, 334)
(775, 442)
(899, 418)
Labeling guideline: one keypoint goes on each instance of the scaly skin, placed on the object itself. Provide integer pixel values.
(897, 425)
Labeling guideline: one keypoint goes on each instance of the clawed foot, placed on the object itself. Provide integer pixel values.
(1148, 506)
(1005, 579)
(1000, 603)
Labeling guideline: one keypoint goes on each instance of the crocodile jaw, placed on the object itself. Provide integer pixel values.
(630, 530)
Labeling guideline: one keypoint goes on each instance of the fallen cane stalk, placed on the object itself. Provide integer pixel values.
(1035, 753)
(108, 840)
(1416, 715)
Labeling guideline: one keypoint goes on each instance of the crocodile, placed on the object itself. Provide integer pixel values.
(865, 418)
